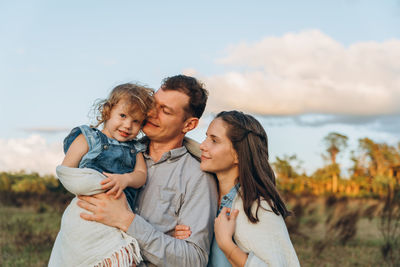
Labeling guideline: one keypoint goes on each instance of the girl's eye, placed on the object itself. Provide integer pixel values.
(122, 115)
(166, 112)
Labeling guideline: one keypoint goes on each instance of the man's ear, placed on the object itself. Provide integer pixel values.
(190, 124)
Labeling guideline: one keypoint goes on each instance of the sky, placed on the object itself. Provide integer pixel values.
(302, 68)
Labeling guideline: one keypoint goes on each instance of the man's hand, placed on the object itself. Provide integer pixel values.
(107, 210)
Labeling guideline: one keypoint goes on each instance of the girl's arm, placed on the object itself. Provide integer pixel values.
(76, 151)
(137, 178)
(118, 182)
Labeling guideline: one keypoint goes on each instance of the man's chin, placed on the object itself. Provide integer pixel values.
(149, 130)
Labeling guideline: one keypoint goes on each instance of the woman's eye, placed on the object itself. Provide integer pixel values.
(122, 115)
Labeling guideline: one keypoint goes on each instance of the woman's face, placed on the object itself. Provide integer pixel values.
(218, 155)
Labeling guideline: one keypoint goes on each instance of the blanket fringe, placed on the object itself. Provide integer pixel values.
(124, 256)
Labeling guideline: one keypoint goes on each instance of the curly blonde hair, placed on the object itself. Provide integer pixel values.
(140, 99)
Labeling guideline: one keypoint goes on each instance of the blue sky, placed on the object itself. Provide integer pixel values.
(304, 68)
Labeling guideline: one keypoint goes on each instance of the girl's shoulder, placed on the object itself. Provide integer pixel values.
(137, 145)
(91, 134)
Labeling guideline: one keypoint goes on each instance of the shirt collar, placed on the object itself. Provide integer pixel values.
(170, 155)
(232, 193)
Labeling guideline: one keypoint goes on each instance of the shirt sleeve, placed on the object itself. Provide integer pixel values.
(89, 134)
(198, 211)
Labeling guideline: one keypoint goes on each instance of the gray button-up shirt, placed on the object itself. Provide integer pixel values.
(176, 192)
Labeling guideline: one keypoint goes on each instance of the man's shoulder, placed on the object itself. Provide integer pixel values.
(193, 147)
(191, 172)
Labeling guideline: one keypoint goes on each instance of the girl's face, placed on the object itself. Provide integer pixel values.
(218, 155)
(121, 126)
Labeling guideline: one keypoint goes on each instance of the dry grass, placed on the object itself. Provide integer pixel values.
(336, 232)
(27, 233)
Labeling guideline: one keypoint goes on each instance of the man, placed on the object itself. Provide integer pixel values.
(176, 191)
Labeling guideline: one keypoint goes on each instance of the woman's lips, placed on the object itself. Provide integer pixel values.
(204, 158)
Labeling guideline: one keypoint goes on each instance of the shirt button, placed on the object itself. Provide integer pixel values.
(225, 198)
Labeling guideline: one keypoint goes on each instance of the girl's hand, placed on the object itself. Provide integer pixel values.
(115, 183)
(224, 227)
(181, 231)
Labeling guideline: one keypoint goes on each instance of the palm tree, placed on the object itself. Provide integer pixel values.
(335, 143)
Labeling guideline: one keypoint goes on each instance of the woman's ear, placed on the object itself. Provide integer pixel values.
(190, 124)
(235, 157)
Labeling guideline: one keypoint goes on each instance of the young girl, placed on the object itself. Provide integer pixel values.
(98, 160)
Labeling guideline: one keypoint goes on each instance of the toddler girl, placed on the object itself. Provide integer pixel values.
(98, 160)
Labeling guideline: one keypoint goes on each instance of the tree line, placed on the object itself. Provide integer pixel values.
(375, 171)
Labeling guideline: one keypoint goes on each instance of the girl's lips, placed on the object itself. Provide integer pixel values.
(124, 134)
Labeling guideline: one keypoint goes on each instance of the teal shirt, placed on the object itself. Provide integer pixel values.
(217, 257)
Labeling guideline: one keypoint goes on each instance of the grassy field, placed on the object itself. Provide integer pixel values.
(317, 243)
(27, 234)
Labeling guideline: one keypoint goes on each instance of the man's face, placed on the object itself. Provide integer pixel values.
(166, 121)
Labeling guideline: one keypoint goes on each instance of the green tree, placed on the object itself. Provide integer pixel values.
(289, 178)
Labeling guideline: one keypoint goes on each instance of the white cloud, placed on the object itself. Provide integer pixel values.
(47, 130)
(32, 154)
(308, 72)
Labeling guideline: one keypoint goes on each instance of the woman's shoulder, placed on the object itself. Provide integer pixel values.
(268, 239)
(269, 226)
(264, 205)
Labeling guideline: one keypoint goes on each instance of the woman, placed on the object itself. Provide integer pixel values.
(250, 208)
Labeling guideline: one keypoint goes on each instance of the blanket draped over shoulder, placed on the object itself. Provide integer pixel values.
(88, 243)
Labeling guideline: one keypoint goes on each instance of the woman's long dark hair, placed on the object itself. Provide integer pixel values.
(256, 177)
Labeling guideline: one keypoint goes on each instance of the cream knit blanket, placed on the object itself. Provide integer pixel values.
(88, 243)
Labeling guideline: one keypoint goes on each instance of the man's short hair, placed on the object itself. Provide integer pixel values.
(193, 89)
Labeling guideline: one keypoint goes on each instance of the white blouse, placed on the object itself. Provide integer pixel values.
(267, 242)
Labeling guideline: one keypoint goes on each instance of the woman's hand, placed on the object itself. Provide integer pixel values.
(114, 183)
(181, 231)
(107, 210)
(224, 228)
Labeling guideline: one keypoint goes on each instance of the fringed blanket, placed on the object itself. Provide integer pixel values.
(88, 243)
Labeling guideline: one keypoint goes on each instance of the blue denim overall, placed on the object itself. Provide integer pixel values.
(107, 155)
